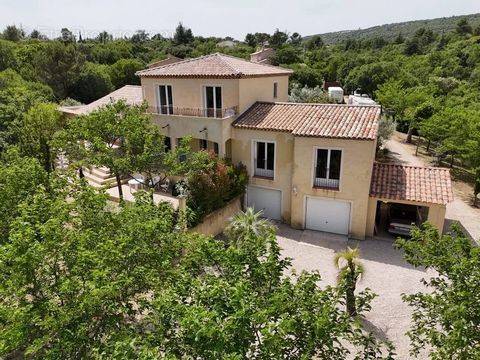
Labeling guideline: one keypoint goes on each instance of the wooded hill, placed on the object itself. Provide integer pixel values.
(390, 31)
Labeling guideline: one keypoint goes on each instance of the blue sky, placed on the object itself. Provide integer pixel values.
(221, 18)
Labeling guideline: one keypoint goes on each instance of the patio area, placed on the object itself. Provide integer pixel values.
(129, 191)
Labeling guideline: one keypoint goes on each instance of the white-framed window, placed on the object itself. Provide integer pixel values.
(213, 101)
(264, 159)
(275, 90)
(328, 163)
(165, 99)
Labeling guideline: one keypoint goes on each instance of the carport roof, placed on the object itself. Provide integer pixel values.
(412, 183)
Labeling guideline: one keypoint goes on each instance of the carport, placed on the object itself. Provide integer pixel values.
(425, 190)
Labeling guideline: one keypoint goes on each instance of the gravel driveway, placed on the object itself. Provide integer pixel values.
(386, 274)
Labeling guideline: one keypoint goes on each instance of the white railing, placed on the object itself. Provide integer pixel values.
(263, 173)
(326, 183)
(196, 112)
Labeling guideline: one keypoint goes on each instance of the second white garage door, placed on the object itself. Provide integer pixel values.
(267, 200)
(328, 215)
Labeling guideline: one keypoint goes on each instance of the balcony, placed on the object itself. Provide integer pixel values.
(263, 173)
(326, 183)
(195, 112)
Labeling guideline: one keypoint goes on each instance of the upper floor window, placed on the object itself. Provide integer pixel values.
(327, 168)
(264, 160)
(213, 101)
(165, 99)
(275, 90)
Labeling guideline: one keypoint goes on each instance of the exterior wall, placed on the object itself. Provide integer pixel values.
(242, 151)
(355, 178)
(436, 213)
(189, 93)
(216, 222)
(177, 126)
(436, 216)
(261, 89)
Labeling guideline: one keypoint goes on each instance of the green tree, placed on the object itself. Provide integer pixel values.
(446, 317)
(349, 274)
(369, 77)
(37, 131)
(8, 57)
(81, 271)
(248, 224)
(463, 27)
(278, 38)
(123, 72)
(102, 133)
(314, 42)
(139, 37)
(17, 96)
(13, 33)
(67, 36)
(250, 40)
(58, 65)
(93, 82)
(20, 178)
(285, 55)
(35, 34)
(308, 95)
(183, 35)
(104, 37)
(124, 284)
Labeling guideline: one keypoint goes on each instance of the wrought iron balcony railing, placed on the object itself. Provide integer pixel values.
(196, 112)
(326, 183)
(266, 173)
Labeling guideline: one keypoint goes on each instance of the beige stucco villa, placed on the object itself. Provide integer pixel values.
(310, 165)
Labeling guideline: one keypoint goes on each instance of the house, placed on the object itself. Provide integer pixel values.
(262, 56)
(310, 165)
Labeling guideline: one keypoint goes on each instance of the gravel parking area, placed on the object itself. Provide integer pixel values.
(386, 273)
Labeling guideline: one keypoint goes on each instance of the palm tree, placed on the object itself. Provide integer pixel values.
(248, 224)
(350, 271)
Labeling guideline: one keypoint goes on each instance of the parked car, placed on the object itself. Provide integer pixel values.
(402, 219)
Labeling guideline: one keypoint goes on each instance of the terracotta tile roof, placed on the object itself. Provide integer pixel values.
(413, 183)
(132, 94)
(318, 120)
(214, 66)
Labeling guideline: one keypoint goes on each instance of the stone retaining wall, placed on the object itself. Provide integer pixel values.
(215, 222)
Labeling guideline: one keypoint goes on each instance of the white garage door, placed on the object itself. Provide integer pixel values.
(328, 215)
(267, 200)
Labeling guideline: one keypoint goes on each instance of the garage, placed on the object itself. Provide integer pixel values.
(267, 200)
(398, 219)
(327, 215)
(404, 196)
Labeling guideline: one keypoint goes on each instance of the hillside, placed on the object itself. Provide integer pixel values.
(407, 29)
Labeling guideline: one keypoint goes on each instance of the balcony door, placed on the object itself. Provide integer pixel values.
(165, 99)
(213, 101)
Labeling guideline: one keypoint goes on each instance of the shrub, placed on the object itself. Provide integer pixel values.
(211, 188)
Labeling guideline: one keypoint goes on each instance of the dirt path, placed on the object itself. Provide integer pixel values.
(460, 209)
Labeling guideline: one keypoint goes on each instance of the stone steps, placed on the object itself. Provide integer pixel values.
(99, 177)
